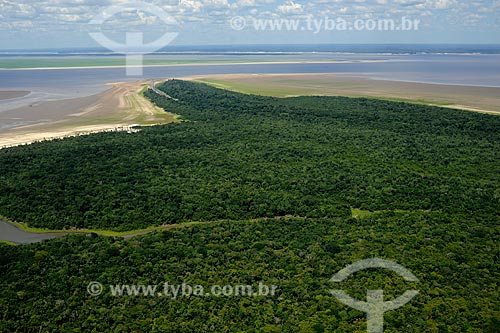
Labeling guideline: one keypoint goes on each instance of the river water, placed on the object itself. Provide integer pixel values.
(457, 69)
(10, 233)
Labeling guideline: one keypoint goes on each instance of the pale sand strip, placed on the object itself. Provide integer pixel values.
(28, 138)
(208, 63)
(472, 98)
(12, 94)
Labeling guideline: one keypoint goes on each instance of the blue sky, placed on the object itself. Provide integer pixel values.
(26, 24)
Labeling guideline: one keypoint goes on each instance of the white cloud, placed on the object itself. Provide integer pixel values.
(194, 5)
(291, 8)
(444, 4)
(200, 15)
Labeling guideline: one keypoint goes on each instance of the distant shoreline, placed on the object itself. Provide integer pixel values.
(208, 63)
(120, 108)
(469, 98)
(11, 94)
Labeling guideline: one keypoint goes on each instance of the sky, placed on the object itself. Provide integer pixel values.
(45, 24)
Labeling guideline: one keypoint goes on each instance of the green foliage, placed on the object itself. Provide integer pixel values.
(244, 157)
(422, 182)
(43, 286)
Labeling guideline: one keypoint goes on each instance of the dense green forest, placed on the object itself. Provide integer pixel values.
(275, 181)
(43, 286)
(243, 157)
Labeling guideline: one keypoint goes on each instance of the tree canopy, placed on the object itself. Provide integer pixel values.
(290, 191)
(243, 156)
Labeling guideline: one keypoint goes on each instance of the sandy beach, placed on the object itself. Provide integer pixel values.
(479, 99)
(12, 94)
(118, 108)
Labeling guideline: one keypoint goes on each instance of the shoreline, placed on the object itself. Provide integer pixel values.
(469, 98)
(70, 133)
(119, 108)
(6, 95)
(263, 62)
(44, 234)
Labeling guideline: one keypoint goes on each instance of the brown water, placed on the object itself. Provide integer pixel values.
(11, 233)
